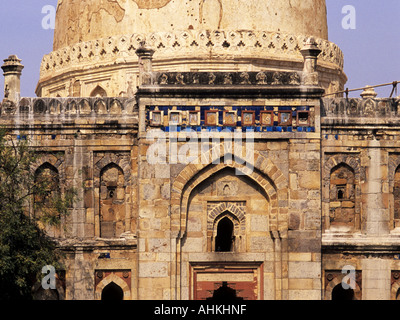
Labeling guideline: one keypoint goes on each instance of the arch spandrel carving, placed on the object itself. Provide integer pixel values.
(194, 174)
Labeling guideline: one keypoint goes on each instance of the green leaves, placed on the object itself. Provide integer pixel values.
(24, 246)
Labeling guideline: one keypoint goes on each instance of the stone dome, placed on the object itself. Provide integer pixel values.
(83, 20)
(95, 41)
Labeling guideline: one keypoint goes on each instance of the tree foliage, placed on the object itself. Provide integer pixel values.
(25, 248)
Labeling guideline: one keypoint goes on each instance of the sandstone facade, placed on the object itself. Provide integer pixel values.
(95, 42)
(208, 159)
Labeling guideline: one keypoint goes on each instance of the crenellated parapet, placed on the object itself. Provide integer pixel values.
(68, 107)
(360, 111)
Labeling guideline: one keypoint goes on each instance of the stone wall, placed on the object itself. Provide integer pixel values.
(274, 209)
(361, 136)
(305, 188)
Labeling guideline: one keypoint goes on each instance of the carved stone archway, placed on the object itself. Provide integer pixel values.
(237, 216)
(118, 281)
(263, 173)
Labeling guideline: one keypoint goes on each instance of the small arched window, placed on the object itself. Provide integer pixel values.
(225, 236)
(98, 92)
(341, 192)
(342, 196)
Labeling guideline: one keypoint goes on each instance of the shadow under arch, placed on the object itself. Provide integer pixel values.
(112, 292)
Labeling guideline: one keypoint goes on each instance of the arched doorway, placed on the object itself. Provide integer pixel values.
(341, 294)
(112, 292)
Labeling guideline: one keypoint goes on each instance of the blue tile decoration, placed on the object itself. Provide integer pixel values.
(248, 129)
(165, 109)
(303, 108)
(275, 127)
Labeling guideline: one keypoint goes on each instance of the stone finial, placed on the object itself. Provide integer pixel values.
(145, 55)
(368, 93)
(310, 53)
(12, 69)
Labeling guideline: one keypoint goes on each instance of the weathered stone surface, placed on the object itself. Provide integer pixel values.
(310, 179)
(153, 269)
(78, 21)
(325, 182)
(304, 270)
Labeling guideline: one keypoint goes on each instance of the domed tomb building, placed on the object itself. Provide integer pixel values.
(95, 42)
(207, 157)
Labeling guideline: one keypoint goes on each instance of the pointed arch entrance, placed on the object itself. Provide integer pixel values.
(112, 292)
(111, 286)
(224, 202)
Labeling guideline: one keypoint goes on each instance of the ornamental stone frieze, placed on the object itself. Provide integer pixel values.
(69, 71)
(218, 44)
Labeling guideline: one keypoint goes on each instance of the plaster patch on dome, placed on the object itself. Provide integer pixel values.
(106, 11)
(113, 8)
(211, 10)
(151, 4)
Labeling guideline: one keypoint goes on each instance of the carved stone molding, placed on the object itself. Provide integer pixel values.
(194, 43)
(227, 78)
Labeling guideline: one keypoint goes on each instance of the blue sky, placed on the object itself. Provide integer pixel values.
(371, 50)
